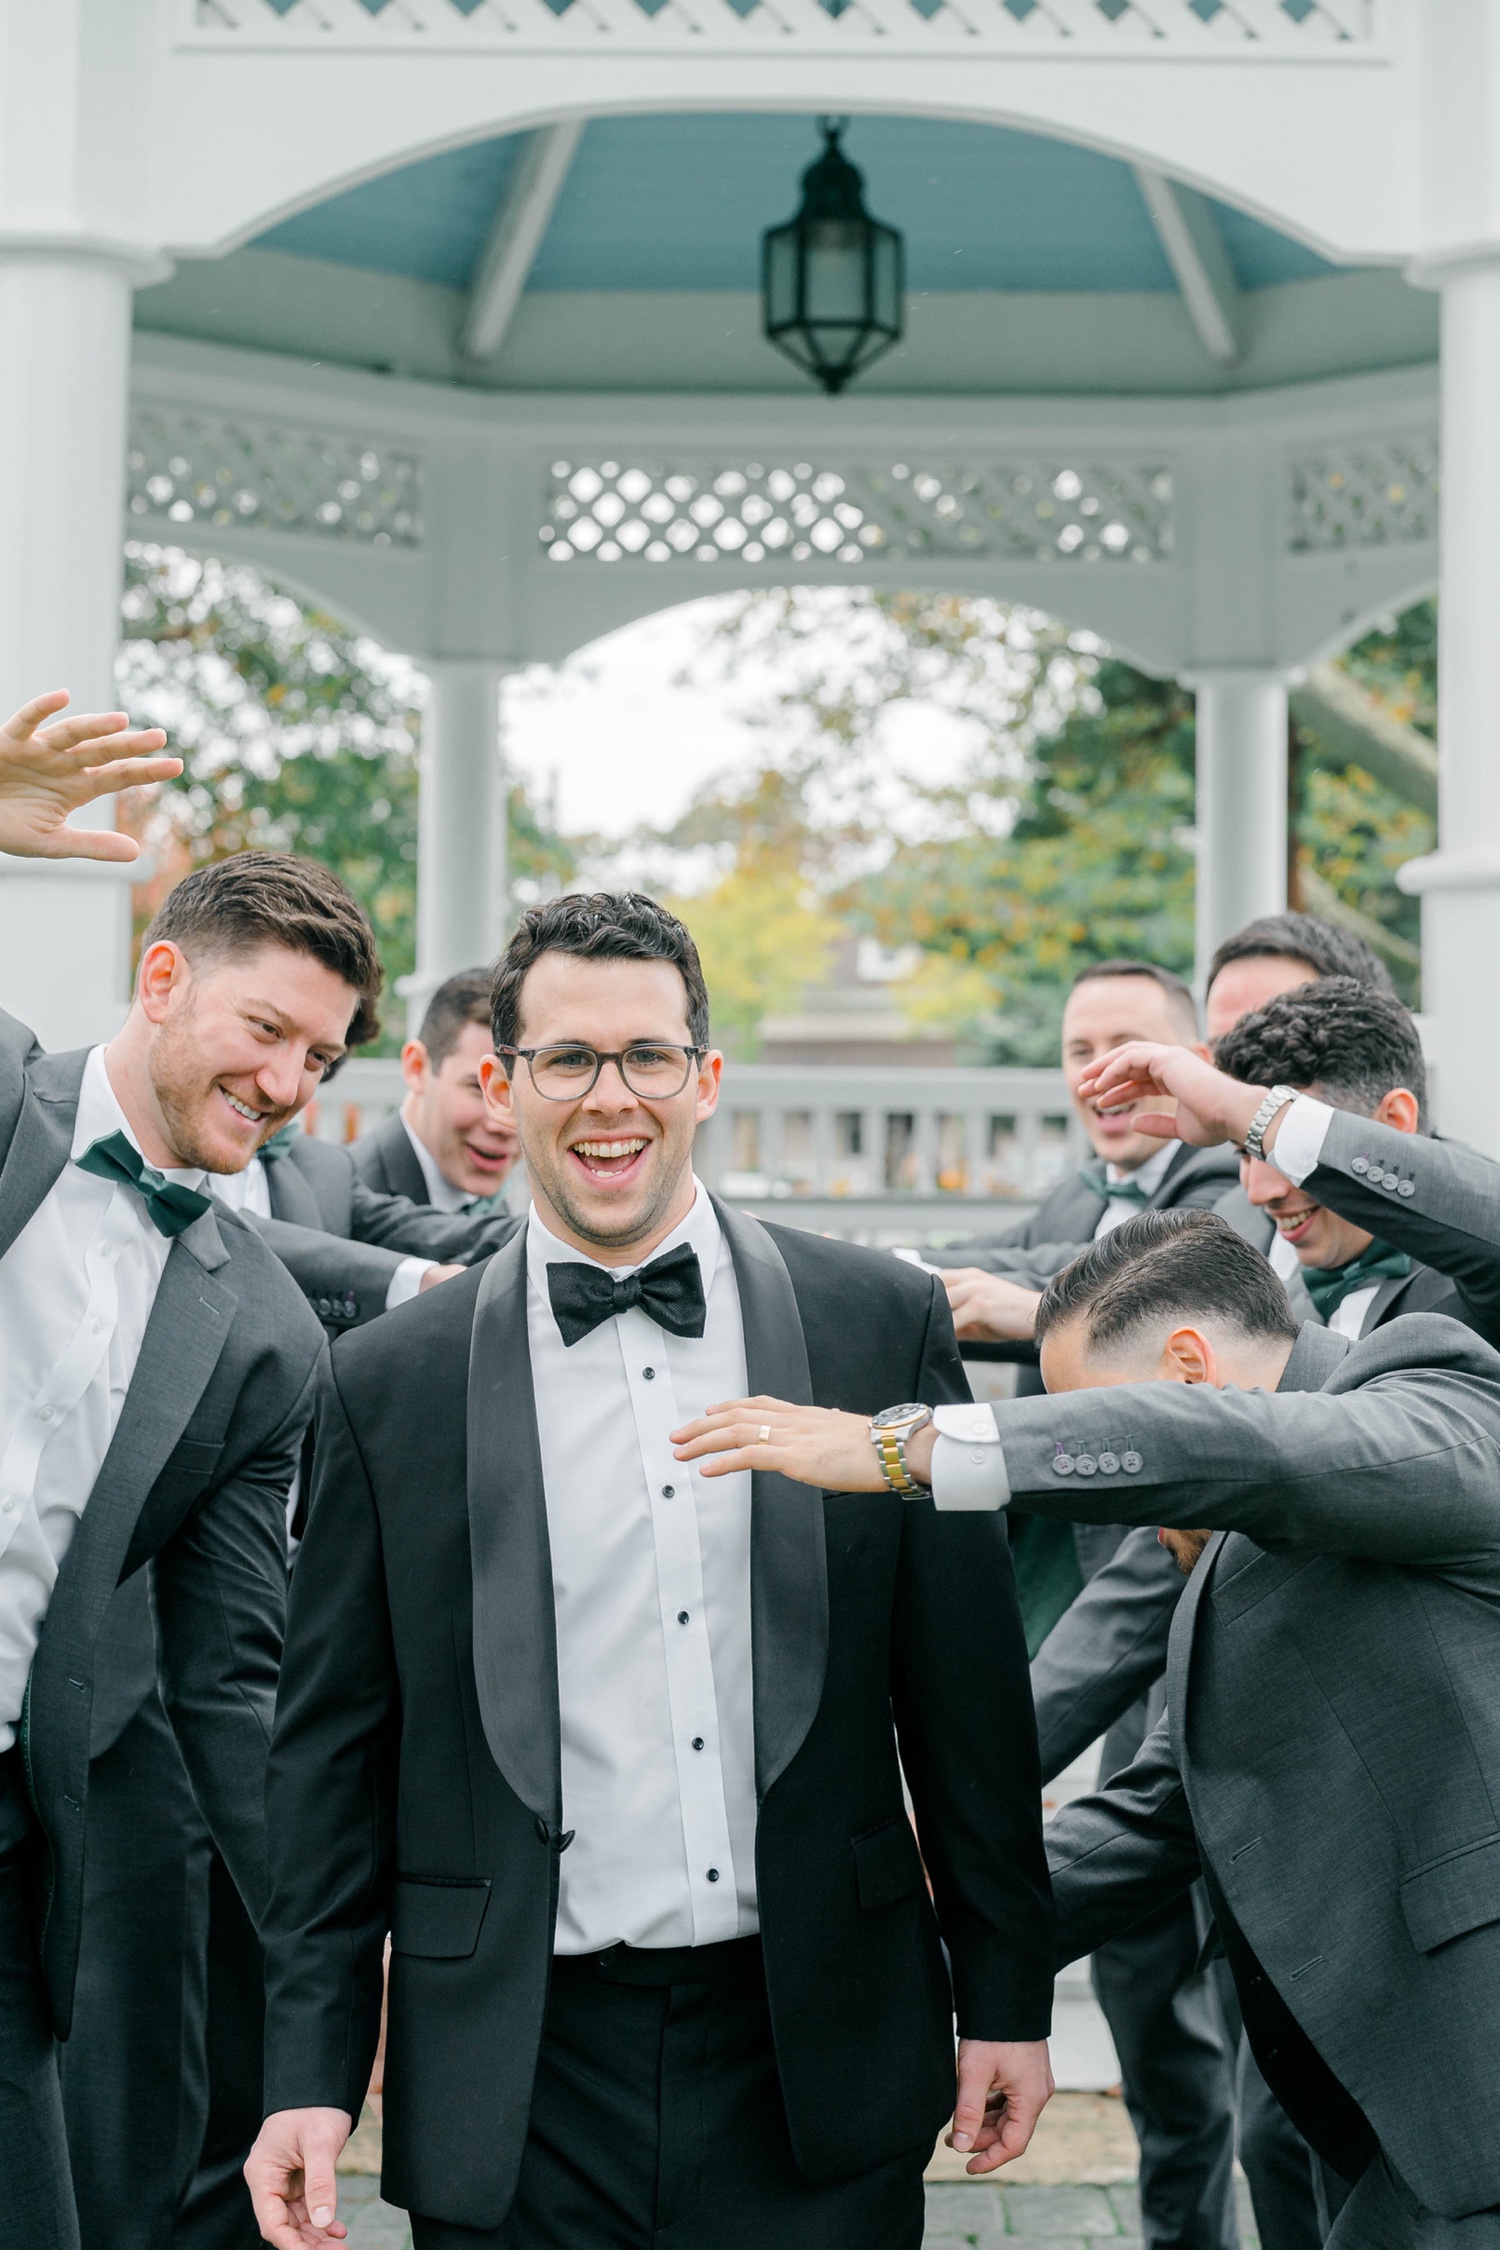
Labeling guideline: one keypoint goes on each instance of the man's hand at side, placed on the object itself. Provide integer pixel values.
(1003, 2087)
(1211, 1107)
(290, 2173)
(47, 772)
(987, 1307)
(434, 1277)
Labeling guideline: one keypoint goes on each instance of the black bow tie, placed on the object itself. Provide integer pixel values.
(670, 1289)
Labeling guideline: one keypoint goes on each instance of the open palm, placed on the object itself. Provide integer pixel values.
(47, 772)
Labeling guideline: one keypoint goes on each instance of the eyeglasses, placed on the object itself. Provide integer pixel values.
(565, 1074)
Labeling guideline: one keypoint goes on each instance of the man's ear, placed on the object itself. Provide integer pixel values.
(1400, 1108)
(164, 970)
(1188, 1357)
(499, 1097)
(414, 1065)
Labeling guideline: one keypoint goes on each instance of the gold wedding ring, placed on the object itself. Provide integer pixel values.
(765, 1434)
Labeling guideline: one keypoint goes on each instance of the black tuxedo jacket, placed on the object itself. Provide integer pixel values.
(341, 1240)
(386, 1161)
(196, 1476)
(416, 1767)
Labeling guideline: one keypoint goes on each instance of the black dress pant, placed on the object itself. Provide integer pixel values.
(657, 2123)
(1175, 2066)
(161, 2074)
(36, 2194)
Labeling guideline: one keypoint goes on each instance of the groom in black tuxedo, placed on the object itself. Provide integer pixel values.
(607, 1749)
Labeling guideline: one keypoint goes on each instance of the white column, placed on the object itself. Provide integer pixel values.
(462, 915)
(1241, 799)
(64, 392)
(1460, 882)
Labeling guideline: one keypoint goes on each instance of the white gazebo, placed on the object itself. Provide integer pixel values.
(447, 312)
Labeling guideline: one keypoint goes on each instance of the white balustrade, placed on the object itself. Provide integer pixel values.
(866, 1153)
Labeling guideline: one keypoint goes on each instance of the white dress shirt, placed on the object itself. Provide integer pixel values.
(1147, 1177)
(76, 1290)
(1296, 1151)
(441, 1193)
(651, 1585)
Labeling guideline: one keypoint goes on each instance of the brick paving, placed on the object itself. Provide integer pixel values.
(968, 2217)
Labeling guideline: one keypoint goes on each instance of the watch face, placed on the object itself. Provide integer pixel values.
(897, 1417)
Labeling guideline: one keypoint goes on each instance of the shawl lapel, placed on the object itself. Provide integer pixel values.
(788, 1542)
(515, 1626)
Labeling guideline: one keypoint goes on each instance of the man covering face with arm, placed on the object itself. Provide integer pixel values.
(1336, 1501)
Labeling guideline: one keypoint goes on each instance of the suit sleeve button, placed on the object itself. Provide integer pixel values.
(1109, 1464)
(1085, 1464)
(1130, 1462)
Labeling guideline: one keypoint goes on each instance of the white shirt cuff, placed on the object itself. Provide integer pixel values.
(968, 1460)
(1300, 1137)
(406, 1281)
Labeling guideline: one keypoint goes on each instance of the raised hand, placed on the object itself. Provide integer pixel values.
(1210, 1107)
(47, 772)
(987, 1307)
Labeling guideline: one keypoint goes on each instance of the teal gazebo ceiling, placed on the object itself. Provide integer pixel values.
(678, 202)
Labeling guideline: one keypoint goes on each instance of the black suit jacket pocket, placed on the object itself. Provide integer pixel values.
(438, 1917)
(887, 1865)
(1453, 1895)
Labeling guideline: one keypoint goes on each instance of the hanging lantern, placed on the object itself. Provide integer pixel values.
(831, 279)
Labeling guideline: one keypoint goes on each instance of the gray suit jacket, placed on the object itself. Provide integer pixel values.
(341, 1240)
(1331, 1758)
(196, 1476)
(386, 1161)
(1034, 1250)
(1443, 1208)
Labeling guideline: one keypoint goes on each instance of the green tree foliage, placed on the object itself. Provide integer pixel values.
(297, 735)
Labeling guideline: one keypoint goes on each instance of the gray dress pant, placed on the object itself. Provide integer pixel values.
(1383, 2214)
(36, 2195)
(1175, 2068)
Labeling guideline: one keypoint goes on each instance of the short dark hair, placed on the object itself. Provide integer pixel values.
(458, 1000)
(597, 926)
(1167, 1265)
(255, 898)
(1354, 1044)
(1177, 990)
(1326, 949)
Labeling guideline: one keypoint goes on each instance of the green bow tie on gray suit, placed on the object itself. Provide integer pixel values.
(170, 1206)
(1330, 1285)
(1114, 1191)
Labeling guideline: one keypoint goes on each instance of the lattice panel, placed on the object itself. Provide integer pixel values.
(1165, 29)
(188, 470)
(618, 512)
(1367, 496)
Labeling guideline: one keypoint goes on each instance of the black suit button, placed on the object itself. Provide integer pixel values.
(566, 1838)
(544, 1833)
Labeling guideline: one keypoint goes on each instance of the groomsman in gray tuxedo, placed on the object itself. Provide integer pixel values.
(156, 1369)
(442, 1146)
(1330, 1762)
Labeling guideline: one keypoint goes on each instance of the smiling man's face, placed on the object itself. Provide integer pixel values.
(238, 1046)
(1105, 1012)
(612, 1173)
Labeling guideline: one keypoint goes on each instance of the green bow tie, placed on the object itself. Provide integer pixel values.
(485, 1206)
(171, 1207)
(1328, 1286)
(280, 1144)
(1114, 1191)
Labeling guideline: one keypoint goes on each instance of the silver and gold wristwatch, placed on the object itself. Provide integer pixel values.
(889, 1432)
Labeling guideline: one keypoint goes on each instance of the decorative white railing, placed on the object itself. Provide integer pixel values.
(795, 1136)
(1162, 30)
(858, 512)
(1378, 494)
(184, 468)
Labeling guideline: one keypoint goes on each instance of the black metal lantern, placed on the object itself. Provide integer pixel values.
(831, 279)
